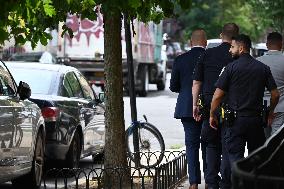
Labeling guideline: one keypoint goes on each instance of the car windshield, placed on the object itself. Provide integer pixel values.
(25, 57)
(211, 45)
(38, 80)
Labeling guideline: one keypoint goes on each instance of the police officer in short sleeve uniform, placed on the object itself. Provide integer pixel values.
(206, 73)
(243, 82)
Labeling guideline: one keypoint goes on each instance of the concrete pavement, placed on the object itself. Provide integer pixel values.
(185, 183)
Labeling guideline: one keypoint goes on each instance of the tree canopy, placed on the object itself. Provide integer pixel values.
(270, 13)
(253, 17)
(27, 20)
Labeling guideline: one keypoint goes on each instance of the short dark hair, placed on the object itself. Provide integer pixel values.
(244, 39)
(230, 30)
(274, 37)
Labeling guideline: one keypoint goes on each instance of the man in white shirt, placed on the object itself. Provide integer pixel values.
(274, 58)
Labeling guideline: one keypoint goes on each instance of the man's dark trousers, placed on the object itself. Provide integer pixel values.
(192, 131)
(244, 130)
(212, 139)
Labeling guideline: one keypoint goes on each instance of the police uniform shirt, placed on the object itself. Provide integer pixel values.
(245, 80)
(210, 66)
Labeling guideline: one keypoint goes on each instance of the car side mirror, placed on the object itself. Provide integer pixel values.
(102, 96)
(24, 90)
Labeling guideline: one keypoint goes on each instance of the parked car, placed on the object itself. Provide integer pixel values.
(173, 50)
(213, 43)
(73, 114)
(42, 57)
(258, 49)
(22, 134)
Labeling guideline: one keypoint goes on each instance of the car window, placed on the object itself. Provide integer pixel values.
(66, 89)
(6, 83)
(88, 92)
(38, 84)
(74, 84)
(8, 86)
(25, 57)
(211, 45)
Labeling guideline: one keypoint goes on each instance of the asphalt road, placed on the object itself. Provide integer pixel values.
(159, 108)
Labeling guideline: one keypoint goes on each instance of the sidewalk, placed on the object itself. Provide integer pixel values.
(185, 183)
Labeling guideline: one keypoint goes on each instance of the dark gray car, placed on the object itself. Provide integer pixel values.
(22, 134)
(74, 116)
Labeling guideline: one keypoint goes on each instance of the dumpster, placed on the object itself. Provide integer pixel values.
(263, 168)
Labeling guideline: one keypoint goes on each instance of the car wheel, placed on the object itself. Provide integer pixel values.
(98, 157)
(144, 76)
(73, 155)
(33, 179)
(161, 85)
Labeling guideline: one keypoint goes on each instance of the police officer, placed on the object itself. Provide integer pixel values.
(206, 73)
(181, 82)
(244, 81)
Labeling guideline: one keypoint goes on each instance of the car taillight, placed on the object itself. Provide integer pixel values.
(50, 113)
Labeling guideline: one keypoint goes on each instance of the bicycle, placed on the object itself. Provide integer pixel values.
(151, 144)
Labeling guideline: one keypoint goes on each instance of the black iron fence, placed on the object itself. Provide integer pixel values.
(167, 174)
(264, 168)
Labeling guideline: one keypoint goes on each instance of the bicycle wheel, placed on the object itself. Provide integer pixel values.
(151, 145)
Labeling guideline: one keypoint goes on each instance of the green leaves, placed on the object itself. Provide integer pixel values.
(29, 19)
(185, 4)
(66, 29)
(48, 8)
(135, 3)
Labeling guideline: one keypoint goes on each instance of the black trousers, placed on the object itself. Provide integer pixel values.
(245, 130)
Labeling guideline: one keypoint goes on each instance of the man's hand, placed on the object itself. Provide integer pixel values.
(213, 122)
(270, 118)
(195, 112)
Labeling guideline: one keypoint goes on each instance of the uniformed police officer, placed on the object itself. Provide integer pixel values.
(243, 82)
(206, 73)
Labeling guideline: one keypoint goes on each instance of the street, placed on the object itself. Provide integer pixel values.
(159, 108)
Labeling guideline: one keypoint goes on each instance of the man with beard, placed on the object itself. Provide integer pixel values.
(243, 82)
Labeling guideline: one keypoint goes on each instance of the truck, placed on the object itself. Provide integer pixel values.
(85, 51)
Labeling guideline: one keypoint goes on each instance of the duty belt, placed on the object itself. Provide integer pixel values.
(248, 114)
(243, 113)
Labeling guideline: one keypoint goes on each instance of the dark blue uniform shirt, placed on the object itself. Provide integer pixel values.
(245, 80)
(210, 67)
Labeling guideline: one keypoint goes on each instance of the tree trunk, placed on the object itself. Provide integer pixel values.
(115, 147)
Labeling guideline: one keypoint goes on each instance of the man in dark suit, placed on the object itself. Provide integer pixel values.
(181, 82)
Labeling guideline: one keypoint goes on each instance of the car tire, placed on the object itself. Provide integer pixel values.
(98, 158)
(33, 179)
(74, 152)
(161, 85)
(144, 76)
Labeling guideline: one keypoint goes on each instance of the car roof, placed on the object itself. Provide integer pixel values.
(260, 46)
(31, 53)
(40, 66)
(214, 40)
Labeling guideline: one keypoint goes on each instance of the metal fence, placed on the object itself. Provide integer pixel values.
(264, 168)
(168, 174)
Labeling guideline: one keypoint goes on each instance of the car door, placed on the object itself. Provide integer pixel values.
(16, 132)
(94, 118)
(71, 108)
